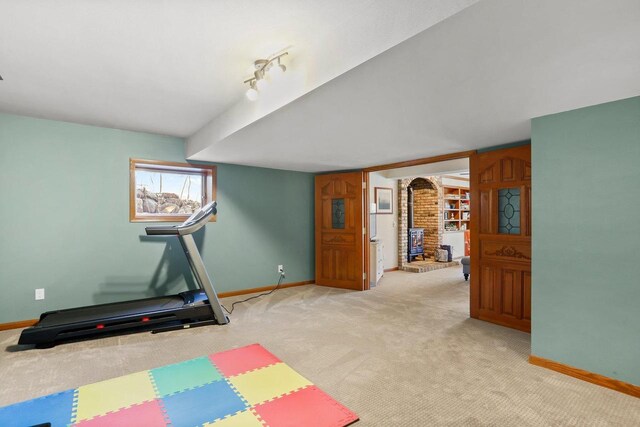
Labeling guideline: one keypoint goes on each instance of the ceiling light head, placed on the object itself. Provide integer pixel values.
(277, 70)
(252, 93)
(262, 84)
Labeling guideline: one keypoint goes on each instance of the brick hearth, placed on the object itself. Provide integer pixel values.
(428, 265)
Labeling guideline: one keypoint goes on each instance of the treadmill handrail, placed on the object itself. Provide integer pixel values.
(162, 230)
(194, 223)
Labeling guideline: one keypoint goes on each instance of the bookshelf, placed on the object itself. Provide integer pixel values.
(457, 212)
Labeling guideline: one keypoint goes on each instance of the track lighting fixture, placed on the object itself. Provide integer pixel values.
(259, 81)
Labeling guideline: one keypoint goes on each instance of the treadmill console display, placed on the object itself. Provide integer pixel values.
(200, 213)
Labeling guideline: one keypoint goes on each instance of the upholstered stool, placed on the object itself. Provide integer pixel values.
(466, 266)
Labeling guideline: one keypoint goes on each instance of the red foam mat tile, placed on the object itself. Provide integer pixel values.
(307, 407)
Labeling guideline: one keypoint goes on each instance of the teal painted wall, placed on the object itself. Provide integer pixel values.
(65, 221)
(586, 239)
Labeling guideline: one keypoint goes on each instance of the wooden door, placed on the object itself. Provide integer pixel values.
(340, 231)
(501, 237)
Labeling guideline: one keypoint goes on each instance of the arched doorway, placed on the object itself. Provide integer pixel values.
(421, 208)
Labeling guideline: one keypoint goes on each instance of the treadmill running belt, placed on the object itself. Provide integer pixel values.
(113, 311)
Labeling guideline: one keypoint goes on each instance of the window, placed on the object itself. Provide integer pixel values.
(166, 191)
(509, 211)
(337, 213)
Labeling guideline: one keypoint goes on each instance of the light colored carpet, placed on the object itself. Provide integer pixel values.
(403, 354)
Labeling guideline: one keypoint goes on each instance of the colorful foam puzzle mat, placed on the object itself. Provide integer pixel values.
(247, 387)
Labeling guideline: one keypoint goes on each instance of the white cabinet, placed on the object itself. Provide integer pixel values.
(376, 262)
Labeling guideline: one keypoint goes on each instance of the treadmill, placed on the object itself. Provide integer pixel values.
(185, 310)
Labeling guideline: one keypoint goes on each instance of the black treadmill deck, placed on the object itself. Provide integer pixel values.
(121, 317)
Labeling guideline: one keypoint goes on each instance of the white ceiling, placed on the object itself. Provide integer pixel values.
(472, 81)
(170, 66)
(357, 95)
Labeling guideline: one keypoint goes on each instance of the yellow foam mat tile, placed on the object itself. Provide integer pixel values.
(241, 419)
(111, 395)
(268, 383)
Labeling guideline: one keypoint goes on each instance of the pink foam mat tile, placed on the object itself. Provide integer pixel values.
(148, 414)
(244, 359)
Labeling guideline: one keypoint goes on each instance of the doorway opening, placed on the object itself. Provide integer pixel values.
(422, 222)
(350, 249)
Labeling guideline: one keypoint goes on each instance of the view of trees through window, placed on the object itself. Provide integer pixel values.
(167, 192)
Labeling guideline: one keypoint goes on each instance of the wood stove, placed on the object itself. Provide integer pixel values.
(416, 243)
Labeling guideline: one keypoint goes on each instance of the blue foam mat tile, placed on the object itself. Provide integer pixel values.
(55, 409)
(202, 404)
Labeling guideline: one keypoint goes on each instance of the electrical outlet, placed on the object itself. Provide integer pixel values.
(280, 268)
(40, 294)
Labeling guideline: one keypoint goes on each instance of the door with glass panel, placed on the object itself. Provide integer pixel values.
(501, 237)
(339, 230)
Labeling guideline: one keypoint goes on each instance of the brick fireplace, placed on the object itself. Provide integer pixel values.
(427, 214)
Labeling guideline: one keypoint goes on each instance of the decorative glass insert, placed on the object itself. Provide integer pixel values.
(509, 211)
(337, 213)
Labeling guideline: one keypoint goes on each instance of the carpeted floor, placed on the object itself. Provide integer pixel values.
(404, 354)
